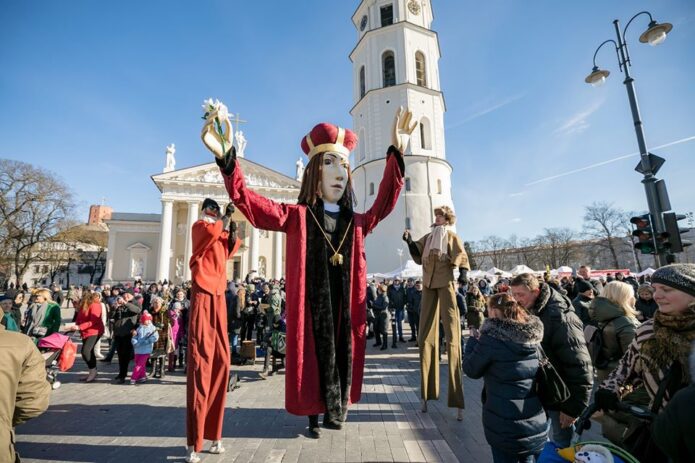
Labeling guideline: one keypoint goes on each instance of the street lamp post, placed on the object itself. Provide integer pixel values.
(649, 163)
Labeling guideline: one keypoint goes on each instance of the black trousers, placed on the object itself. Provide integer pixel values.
(88, 346)
(124, 348)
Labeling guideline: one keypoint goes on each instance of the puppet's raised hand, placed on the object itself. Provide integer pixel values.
(403, 129)
(217, 133)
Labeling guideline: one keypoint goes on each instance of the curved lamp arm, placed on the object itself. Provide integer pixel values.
(600, 46)
(651, 20)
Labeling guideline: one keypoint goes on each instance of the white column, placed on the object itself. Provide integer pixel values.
(254, 254)
(192, 217)
(110, 252)
(277, 255)
(165, 240)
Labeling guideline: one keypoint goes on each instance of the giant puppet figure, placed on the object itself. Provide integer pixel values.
(326, 265)
(440, 252)
(208, 348)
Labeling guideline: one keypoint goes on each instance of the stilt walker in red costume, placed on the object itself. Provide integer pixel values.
(326, 266)
(214, 241)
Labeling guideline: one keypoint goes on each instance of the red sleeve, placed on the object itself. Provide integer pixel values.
(387, 197)
(204, 235)
(260, 211)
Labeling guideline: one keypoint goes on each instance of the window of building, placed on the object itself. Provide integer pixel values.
(407, 184)
(425, 137)
(439, 186)
(45, 269)
(37, 269)
(389, 69)
(407, 223)
(371, 189)
(363, 83)
(386, 15)
(420, 70)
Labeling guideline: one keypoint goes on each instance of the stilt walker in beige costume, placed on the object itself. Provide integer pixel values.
(440, 252)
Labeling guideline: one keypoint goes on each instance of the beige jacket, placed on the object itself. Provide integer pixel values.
(439, 273)
(24, 390)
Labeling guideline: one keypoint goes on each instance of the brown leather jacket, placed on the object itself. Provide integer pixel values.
(24, 391)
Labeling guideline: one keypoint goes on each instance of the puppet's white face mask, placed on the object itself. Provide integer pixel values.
(334, 177)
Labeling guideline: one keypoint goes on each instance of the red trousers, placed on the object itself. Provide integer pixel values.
(207, 367)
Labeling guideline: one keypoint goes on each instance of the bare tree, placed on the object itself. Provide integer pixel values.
(495, 248)
(33, 204)
(557, 246)
(607, 225)
(468, 247)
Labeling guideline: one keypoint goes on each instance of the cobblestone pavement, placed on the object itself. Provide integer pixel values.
(104, 422)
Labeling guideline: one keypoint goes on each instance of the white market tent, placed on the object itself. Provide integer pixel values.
(494, 271)
(519, 269)
(564, 269)
(408, 270)
(647, 272)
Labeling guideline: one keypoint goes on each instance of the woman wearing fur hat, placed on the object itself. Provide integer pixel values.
(659, 353)
(506, 355)
(440, 252)
(326, 264)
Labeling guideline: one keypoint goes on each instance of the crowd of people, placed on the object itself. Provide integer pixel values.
(611, 340)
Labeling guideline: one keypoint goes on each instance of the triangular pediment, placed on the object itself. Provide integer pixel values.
(256, 175)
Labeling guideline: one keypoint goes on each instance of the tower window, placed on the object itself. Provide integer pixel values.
(439, 186)
(386, 15)
(407, 184)
(389, 71)
(363, 83)
(371, 189)
(425, 138)
(420, 71)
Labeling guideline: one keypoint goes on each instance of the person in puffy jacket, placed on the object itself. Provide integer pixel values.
(565, 346)
(506, 355)
(381, 312)
(615, 316)
(143, 341)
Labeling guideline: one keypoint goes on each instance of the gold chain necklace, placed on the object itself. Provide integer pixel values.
(336, 259)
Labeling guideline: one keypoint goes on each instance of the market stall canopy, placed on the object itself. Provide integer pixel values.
(519, 269)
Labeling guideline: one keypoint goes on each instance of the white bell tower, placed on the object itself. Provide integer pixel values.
(395, 63)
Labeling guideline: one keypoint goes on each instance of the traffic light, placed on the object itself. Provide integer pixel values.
(647, 241)
(676, 244)
(644, 234)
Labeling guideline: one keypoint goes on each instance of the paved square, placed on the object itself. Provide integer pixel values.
(104, 422)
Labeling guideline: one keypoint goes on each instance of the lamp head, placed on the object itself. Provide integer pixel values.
(655, 33)
(597, 77)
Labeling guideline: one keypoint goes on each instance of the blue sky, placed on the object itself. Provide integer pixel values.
(94, 91)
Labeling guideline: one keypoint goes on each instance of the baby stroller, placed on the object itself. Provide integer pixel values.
(553, 454)
(59, 354)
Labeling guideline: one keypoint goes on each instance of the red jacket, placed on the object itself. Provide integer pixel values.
(302, 388)
(209, 257)
(90, 323)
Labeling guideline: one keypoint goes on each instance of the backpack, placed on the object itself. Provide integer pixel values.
(594, 343)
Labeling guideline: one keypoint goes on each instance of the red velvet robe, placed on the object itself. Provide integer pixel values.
(302, 387)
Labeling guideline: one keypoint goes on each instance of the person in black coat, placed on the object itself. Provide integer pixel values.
(674, 428)
(506, 356)
(645, 304)
(381, 312)
(565, 346)
(233, 316)
(582, 303)
(413, 305)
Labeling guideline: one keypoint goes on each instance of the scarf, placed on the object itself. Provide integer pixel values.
(672, 341)
(437, 243)
(38, 315)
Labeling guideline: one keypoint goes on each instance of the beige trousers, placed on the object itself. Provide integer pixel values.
(436, 303)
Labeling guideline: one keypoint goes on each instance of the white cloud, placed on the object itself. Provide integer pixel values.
(578, 122)
(515, 220)
(517, 194)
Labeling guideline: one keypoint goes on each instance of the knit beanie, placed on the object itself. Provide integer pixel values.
(678, 276)
(145, 316)
(582, 286)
